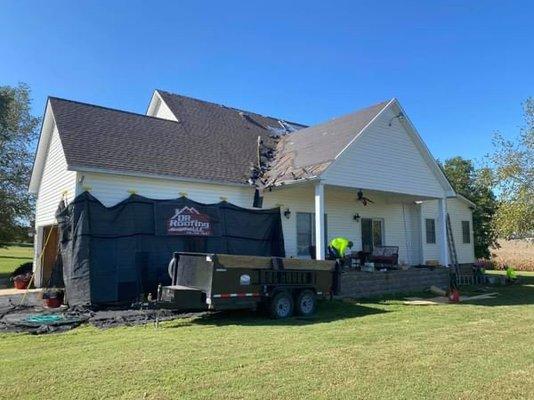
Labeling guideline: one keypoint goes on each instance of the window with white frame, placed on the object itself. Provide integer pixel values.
(430, 225)
(466, 232)
(372, 233)
(306, 232)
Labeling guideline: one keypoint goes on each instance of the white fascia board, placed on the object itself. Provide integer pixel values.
(45, 136)
(297, 182)
(464, 199)
(82, 169)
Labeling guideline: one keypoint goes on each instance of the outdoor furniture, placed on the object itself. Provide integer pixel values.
(388, 255)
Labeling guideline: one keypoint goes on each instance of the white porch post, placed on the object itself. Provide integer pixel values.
(319, 221)
(444, 249)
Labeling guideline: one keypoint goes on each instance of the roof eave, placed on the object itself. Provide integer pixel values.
(110, 171)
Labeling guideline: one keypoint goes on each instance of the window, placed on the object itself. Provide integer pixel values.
(306, 232)
(466, 232)
(430, 230)
(372, 233)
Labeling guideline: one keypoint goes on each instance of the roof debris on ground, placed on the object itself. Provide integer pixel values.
(439, 300)
(39, 320)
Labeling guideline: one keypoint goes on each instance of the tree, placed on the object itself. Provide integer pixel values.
(476, 185)
(513, 171)
(18, 130)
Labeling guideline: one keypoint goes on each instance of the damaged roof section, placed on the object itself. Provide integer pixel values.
(206, 142)
(307, 153)
(253, 137)
(209, 142)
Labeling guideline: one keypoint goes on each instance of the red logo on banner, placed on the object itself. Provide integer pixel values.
(188, 221)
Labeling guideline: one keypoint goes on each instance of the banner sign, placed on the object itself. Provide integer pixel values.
(183, 217)
(190, 222)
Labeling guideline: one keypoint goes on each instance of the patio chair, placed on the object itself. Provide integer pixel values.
(388, 255)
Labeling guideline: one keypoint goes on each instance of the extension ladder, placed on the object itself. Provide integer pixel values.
(452, 248)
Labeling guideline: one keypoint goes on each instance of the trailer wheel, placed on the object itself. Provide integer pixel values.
(306, 303)
(281, 305)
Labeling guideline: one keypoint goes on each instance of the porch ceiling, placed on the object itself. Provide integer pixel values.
(351, 192)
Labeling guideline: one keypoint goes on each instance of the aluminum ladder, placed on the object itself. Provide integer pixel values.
(452, 249)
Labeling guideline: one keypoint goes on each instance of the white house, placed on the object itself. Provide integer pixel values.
(205, 151)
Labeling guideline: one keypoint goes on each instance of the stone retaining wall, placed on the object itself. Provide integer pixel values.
(357, 284)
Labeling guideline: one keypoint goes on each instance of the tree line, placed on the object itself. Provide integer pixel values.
(502, 189)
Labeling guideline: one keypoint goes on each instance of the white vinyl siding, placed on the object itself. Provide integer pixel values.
(111, 189)
(458, 211)
(400, 223)
(55, 181)
(385, 158)
(340, 207)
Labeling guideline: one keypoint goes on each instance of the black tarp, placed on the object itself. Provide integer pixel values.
(115, 254)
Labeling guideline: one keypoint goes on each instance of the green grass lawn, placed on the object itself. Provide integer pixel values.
(12, 256)
(366, 350)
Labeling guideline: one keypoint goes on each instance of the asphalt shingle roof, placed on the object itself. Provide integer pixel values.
(209, 142)
(308, 152)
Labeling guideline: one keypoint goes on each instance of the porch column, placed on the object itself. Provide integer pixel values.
(319, 221)
(444, 249)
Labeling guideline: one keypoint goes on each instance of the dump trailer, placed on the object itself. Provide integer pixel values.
(282, 286)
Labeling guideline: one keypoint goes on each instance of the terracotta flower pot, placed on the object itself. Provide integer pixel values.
(21, 283)
(53, 302)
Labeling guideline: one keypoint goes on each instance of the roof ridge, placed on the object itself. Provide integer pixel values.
(110, 108)
(229, 107)
(382, 104)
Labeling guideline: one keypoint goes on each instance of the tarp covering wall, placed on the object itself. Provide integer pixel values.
(115, 254)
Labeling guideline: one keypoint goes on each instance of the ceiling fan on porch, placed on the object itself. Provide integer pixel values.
(363, 199)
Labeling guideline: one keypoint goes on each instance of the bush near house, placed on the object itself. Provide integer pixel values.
(518, 254)
(13, 256)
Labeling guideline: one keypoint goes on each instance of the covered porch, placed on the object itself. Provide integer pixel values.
(383, 219)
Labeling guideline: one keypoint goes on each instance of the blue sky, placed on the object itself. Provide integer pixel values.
(460, 69)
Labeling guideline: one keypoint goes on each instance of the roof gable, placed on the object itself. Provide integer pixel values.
(389, 155)
(309, 152)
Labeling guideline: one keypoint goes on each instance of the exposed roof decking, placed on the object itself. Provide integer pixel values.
(308, 152)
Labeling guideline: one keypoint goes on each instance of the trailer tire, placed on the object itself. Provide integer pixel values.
(306, 303)
(281, 305)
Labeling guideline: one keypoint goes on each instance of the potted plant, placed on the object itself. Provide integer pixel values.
(22, 281)
(53, 297)
(22, 275)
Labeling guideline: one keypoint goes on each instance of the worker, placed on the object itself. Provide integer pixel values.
(511, 275)
(339, 246)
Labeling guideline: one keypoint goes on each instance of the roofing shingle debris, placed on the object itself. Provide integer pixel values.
(208, 142)
(307, 153)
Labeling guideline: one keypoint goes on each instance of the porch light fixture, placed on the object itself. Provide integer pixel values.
(356, 217)
(287, 213)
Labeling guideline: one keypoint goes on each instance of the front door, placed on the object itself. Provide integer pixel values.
(372, 233)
